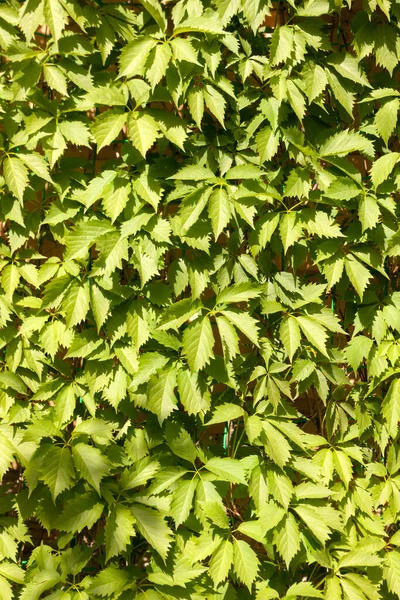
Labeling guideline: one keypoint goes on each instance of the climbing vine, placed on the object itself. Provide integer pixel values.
(200, 300)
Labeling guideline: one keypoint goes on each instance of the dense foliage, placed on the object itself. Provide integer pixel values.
(200, 303)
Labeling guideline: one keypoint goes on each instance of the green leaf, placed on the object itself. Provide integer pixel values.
(133, 57)
(227, 469)
(391, 407)
(245, 563)
(276, 445)
(314, 332)
(55, 17)
(358, 274)
(343, 466)
(215, 102)
(16, 176)
(245, 323)
(180, 442)
(198, 342)
(56, 79)
(157, 63)
(65, 405)
(244, 172)
(289, 333)
(6, 455)
(36, 163)
(347, 65)
(304, 589)
(107, 126)
(219, 211)
(118, 530)
(382, 167)
(391, 571)
(10, 278)
(196, 105)
(143, 131)
(110, 580)
(386, 119)
(296, 99)
(161, 397)
(155, 9)
(182, 501)
(221, 562)
(58, 472)
(76, 303)
(267, 144)
(369, 213)
(281, 44)
(345, 142)
(358, 348)
(289, 229)
(178, 313)
(91, 464)
(153, 528)
(287, 538)
(183, 50)
(226, 412)
(315, 81)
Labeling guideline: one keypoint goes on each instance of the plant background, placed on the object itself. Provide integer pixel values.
(199, 308)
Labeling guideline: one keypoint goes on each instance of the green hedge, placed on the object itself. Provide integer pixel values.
(199, 307)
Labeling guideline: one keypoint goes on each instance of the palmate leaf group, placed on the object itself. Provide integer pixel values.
(199, 304)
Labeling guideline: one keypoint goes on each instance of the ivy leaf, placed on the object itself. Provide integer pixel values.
(56, 17)
(267, 144)
(358, 274)
(290, 335)
(314, 332)
(155, 9)
(391, 407)
(245, 562)
(56, 79)
(91, 464)
(315, 81)
(287, 538)
(153, 528)
(161, 397)
(227, 469)
(16, 176)
(382, 168)
(198, 342)
(245, 323)
(143, 131)
(76, 303)
(226, 412)
(118, 530)
(182, 501)
(157, 64)
(196, 105)
(345, 142)
(36, 163)
(369, 213)
(134, 55)
(219, 211)
(215, 102)
(107, 126)
(110, 580)
(221, 562)
(58, 473)
(6, 455)
(386, 119)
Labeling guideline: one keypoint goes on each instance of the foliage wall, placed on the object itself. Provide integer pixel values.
(199, 308)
